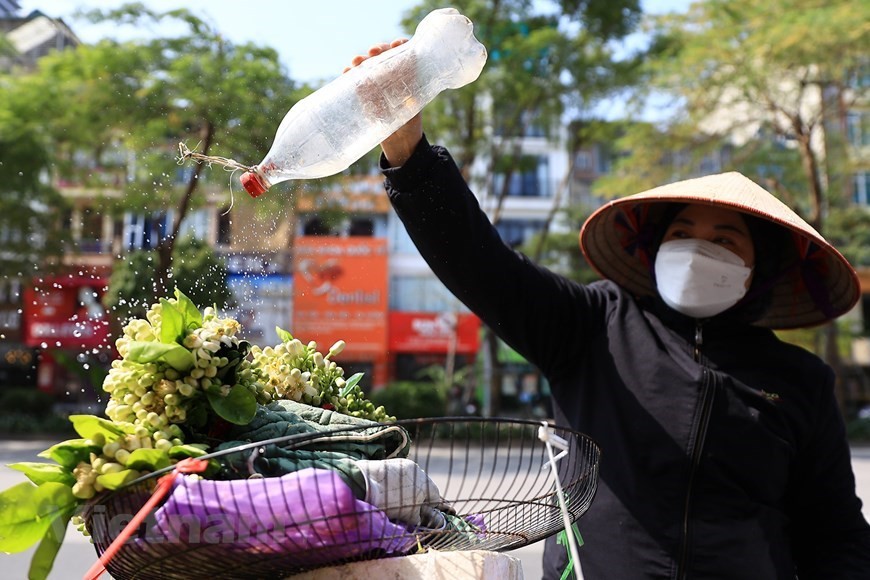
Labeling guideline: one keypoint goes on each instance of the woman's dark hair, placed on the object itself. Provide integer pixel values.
(774, 251)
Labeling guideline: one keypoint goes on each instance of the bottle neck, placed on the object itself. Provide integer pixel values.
(255, 183)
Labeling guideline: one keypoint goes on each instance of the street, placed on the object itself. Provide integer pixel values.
(77, 554)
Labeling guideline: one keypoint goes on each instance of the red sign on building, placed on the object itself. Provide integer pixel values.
(340, 293)
(429, 332)
(66, 312)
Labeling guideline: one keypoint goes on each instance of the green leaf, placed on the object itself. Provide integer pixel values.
(70, 453)
(188, 450)
(43, 558)
(191, 315)
(238, 407)
(118, 479)
(148, 459)
(173, 354)
(27, 511)
(283, 335)
(40, 473)
(350, 384)
(89, 425)
(171, 323)
(197, 417)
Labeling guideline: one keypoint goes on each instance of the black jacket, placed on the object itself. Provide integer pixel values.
(723, 450)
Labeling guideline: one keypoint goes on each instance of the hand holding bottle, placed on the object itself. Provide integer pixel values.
(398, 146)
(377, 100)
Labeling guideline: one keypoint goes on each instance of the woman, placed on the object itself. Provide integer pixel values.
(723, 450)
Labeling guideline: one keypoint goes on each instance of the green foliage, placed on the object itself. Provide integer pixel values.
(560, 252)
(196, 270)
(536, 68)
(26, 401)
(814, 339)
(30, 211)
(39, 510)
(147, 94)
(745, 84)
(541, 64)
(604, 18)
(26, 424)
(858, 430)
(27, 512)
(411, 399)
(110, 116)
(849, 231)
(238, 406)
(88, 368)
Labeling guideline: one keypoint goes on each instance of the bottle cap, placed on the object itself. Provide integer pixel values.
(254, 183)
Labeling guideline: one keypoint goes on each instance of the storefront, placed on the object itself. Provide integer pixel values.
(433, 345)
(64, 320)
(340, 292)
(17, 360)
(421, 339)
(263, 293)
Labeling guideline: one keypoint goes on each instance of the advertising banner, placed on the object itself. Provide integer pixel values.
(66, 313)
(434, 332)
(340, 292)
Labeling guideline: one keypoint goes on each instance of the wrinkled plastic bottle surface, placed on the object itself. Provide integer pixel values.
(324, 133)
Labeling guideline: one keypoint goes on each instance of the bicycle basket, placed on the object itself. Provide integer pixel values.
(465, 484)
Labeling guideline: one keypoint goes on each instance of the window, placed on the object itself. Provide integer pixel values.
(861, 184)
(314, 226)
(858, 128)
(604, 160)
(860, 77)
(528, 125)
(399, 240)
(772, 171)
(530, 178)
(144, 232)
(710, 164)
(517, 232)
(196, 224)
(90, 232)
(361, 227)
(421, 294)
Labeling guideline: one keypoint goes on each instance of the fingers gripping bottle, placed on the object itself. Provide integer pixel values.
(333, 127)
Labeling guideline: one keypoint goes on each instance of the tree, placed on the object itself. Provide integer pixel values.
(196, 271)
(540, 64)
(205, 86)
(738, 67)
(127, 105)
(30, 209)
(768, 79)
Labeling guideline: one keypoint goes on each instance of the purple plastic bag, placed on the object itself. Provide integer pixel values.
(311, 513)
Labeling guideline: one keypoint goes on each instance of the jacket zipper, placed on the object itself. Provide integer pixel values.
(707, 395)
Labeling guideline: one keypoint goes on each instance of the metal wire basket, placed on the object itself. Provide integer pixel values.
(466, 484)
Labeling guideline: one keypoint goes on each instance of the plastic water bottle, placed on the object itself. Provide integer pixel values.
(333, 127)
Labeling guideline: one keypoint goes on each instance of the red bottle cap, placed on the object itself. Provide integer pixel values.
(254, 183)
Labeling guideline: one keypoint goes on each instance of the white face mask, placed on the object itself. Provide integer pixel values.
(699, 278)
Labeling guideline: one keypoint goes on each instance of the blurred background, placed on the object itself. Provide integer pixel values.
(580, 102)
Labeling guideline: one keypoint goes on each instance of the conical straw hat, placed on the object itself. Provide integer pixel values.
(820, 285)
